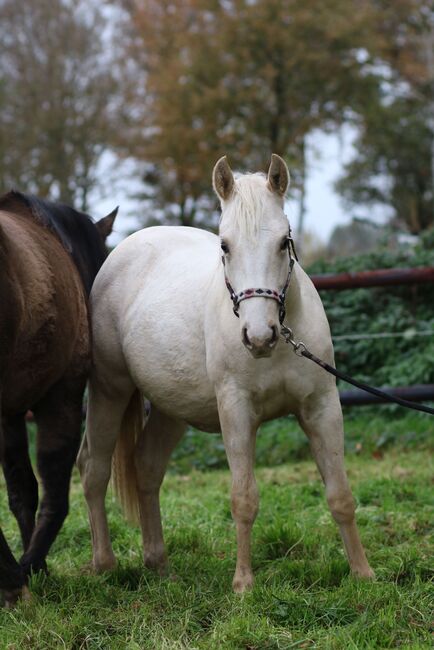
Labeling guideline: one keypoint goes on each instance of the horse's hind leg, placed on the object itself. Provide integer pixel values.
(154, 447)
(12, 579)
(20, 479)
(321, 420)
(58, 417)
(106, 408)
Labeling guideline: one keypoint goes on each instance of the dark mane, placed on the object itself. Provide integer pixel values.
(75, 230)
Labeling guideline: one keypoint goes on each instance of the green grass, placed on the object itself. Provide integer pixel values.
(303, 597)
(367, 431)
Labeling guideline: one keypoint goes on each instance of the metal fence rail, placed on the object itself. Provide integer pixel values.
(377, 278)
(416, 393)
(380, 278)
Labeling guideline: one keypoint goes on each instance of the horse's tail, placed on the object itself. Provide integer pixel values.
(124, 476)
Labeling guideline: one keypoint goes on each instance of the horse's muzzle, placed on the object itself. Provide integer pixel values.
(260, 343)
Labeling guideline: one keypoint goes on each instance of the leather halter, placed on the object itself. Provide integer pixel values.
(272, 294)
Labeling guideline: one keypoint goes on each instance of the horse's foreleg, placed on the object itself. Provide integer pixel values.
(12, 579)
(239, 435)
(58, 417)
(159, 438)
(20, 479)
(104, 416)
(322, 422)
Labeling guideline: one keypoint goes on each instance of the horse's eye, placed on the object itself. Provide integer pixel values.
(284, 244)
(224, 247)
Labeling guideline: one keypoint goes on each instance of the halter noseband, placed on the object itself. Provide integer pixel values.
(264, 293)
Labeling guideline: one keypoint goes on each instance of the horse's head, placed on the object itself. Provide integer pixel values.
(254, 233)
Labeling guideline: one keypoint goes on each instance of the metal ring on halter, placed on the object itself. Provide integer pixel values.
(299, 348)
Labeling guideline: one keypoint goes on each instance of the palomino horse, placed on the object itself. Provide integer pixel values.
(164, 328)
(49, 257)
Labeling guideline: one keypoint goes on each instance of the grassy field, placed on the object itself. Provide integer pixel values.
(303, 595)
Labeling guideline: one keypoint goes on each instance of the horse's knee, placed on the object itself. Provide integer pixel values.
(245, 503)
(342, 507)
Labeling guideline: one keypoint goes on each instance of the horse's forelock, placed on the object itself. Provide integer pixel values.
(246, 208)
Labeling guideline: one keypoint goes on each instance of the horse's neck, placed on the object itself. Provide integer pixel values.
(217, 292)
(293, 299)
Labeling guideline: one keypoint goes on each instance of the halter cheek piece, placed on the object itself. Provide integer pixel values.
(279, 296)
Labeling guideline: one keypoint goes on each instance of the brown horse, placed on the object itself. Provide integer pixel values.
(49, 257)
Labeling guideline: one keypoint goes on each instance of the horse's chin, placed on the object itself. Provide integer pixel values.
(263, 353)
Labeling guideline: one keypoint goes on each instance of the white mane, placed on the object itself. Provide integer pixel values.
(247, 205)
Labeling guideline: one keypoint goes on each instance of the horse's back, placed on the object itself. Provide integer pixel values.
(154, 267)
(153, 247)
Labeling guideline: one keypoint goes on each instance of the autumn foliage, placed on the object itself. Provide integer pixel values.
(180, 82)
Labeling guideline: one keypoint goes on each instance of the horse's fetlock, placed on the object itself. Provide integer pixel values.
(155, 558)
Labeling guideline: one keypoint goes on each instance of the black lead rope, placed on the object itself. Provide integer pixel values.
(301, 350)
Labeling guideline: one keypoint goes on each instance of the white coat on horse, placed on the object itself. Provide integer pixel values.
(164, 328)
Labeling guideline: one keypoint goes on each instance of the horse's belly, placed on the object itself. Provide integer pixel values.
(60, 345)
(189, 404)
(177, 385)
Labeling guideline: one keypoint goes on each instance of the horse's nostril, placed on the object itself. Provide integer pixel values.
(246, 339)
(272, 342)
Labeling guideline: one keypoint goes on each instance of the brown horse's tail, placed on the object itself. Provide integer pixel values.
(124, 476)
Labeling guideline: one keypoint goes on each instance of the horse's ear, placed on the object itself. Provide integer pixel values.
(278, 175)
(105, 225)
(223, 179)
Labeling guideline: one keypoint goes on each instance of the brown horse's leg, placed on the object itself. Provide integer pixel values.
(322, 422)
(20, 479)
(58, 416)
(12, 580)
(160, 436)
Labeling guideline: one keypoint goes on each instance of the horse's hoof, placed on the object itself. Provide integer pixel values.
(241, 585)
(364, 574)
(87, 568)
(105, 565)
(13, 596)
(156, 561)
(28, 566)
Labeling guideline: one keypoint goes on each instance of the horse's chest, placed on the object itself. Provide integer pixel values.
(270, 396)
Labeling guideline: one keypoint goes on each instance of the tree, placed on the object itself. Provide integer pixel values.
(245, 78)
(57, 85)
(394, 165)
